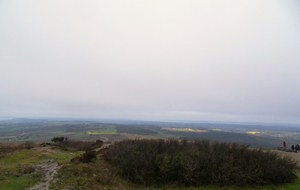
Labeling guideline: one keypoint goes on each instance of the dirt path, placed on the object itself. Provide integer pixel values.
(49, 169)
(102, 147)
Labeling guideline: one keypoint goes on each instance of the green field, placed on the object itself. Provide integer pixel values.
(44, 130)
(104, 131)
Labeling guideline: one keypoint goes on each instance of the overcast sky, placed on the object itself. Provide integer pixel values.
(194, 60)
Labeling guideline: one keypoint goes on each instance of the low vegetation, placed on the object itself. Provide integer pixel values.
(66, 144)
(20, 166)
(87, 157)
(145, 164)
(86, 176)
(7, 148)
(162, 162)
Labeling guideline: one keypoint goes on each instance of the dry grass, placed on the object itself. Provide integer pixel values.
(292, 155)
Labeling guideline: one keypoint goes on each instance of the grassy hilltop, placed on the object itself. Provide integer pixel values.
(144, 164)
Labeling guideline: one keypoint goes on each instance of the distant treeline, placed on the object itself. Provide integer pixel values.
(139, 130)
(161, 162)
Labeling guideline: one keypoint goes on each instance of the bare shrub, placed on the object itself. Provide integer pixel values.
(67, 144)
(158, 162)
(29, 145)
(8, 148)
(87, 157)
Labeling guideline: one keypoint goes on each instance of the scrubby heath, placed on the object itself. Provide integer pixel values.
(22, 166)
(196, 163)
(144, 164)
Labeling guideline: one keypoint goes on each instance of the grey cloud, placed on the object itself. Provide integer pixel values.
(160, 59)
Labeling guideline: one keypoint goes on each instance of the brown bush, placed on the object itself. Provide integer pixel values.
(8, 148)
(67, 144)
(29, 145)
(158, 162)
(87, 157)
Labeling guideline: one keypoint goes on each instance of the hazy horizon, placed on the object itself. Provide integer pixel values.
(223, 61)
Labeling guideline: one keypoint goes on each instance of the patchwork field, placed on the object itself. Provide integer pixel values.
(19, 130)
